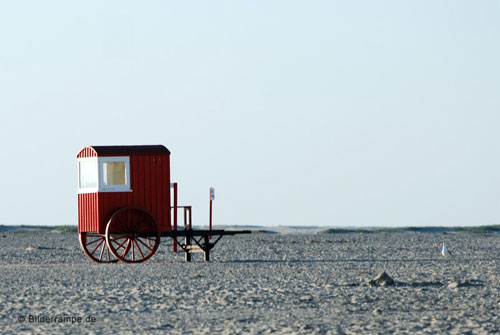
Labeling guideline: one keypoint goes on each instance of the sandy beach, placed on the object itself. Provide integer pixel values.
(256, 284)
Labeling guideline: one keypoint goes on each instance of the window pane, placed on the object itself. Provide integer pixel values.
(114, 173)
(88, 173)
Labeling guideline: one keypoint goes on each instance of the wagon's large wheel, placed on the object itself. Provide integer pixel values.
(95, 247)
(132, 235)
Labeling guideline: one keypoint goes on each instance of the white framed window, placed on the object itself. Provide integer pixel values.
(104, 174)
(87, 175)
(114, 174)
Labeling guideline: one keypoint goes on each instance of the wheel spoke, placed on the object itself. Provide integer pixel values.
(121, 245)
(141, 222)
(98, 245)
(126, 248)
(144, 244)
(130, 222)
(102, 251)
(118, 236)
(94, 241)
(93, 251)
(132, 235)
(138, 248)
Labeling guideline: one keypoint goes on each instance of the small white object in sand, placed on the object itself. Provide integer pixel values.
(445, 252)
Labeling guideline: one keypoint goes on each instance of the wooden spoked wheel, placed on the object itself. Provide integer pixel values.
(132, 235)
(95, 247)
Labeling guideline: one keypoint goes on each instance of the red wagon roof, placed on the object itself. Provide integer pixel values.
(123, 150)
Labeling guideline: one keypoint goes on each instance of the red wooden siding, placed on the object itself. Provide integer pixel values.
(87, 152)
(150, 184)
(87, 212)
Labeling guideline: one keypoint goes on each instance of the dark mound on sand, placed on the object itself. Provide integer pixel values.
(382, 279)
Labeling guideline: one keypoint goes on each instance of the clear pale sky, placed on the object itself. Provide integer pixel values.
(334, 113)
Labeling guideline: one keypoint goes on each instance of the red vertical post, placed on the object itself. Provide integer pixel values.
(175, 215)
(210, 221)
(190, 218)
(212, 197)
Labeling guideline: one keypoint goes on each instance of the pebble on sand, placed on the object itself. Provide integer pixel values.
(382, 279)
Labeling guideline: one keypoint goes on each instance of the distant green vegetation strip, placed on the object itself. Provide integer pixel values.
(27, 228)
(264, 231)
(69, 229)
(476, 229)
